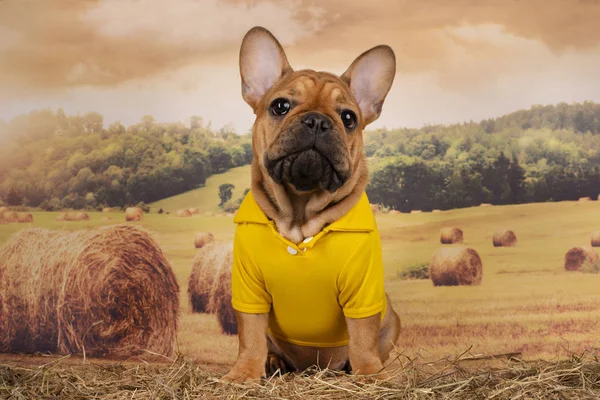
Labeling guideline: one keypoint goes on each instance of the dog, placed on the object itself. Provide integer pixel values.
(307, 274)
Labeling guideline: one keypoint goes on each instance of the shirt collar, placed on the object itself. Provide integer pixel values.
(359, 219)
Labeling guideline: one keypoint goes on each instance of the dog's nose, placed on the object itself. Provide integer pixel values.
(317, 123)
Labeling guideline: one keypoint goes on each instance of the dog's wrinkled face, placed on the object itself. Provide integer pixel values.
(309, 126)
(308, 129)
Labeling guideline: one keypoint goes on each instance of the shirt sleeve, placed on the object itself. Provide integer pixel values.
(361, 281)
(248, 292)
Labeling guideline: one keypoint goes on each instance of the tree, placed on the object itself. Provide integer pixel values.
(225, 193)
(516, 181)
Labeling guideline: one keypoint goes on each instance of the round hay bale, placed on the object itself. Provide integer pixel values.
(451, 235)
(11, 216)
(436, 211)
(585, 199)
(194, 210)
(580, 257)
(81, 216)
(395, 212)
(375, 208)
(416, 211)
(105, 292)
(205, 267)
(3, 210)
(62, 216)
(184, 214)
(107, 210)
(452, 266)
(505, 238)
(25, 217)
(202, 239)
(133, 214)
(220, 296)
(485, 205)
(595, 239)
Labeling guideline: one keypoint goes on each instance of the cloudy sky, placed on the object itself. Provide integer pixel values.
(457, 60)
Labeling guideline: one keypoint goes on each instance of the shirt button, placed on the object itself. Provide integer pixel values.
(308, 239)
(292, 250)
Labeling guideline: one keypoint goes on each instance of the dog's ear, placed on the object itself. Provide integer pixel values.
(262, 63)
(370, 78)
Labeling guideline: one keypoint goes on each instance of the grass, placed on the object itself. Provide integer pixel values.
(527, 303)
(206, 198)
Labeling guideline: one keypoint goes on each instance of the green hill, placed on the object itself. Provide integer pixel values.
(206, 198)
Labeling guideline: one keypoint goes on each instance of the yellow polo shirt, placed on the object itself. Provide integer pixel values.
(309, 288)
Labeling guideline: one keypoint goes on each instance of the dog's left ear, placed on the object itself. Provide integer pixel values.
(370, 78)
(262, 63)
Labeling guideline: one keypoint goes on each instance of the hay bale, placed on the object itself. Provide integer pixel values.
(108, 292)
(25, 218)
(81, 216)
(107, 210)
(580, 258)
(11, 216)
(133, 214)
(595, 239)
(202, 239)
(194, 210)
(62, 216)
(452, 266)
(451, 235)
(505, 238)
(3, 210)
(205, 267)
(375, 208)
(220, 295)
(416, 211)
(485, 205)
(585, 199)
(436, 211)
(395, 212)
(184, 214)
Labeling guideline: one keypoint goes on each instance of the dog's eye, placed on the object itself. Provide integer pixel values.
(280, 107)
(349, 119)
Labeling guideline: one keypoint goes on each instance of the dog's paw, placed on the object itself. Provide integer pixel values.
(276, 365)
(245, 373)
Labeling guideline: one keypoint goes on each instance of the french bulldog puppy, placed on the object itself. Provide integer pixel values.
(307, 277)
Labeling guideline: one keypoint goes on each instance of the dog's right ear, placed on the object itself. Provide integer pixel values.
(262, 63)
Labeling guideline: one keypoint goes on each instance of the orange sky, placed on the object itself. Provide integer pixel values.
(457, 60)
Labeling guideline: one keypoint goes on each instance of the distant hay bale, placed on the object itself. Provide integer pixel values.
(596, 239)
(585, 199)
(107, 210)
(375, 208)
(24, 217)
(11, 216)
(581, 258)
(452, 266)
(395, 212)
(105, 292)
(221, 302)
(81, 216)
(485, 205)
(416, 211)
(184, 214)
(436, 210)
(451, 235)
(133, 214)
(3, 210)
(194, 210)
(62, 216)
(202, 239)
(205, 267)
(505, 238)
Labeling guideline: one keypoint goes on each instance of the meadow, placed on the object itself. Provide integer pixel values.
(527, 303)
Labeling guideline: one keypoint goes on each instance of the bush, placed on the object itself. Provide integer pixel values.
(145, 207)
(415, 271)
(225, 193)
(231, 206)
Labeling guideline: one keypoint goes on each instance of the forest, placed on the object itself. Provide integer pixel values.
(545, 153)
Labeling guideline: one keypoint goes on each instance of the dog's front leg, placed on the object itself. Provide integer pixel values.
(363, 348)
(252, 354)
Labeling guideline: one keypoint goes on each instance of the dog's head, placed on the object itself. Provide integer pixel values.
(308, 130)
